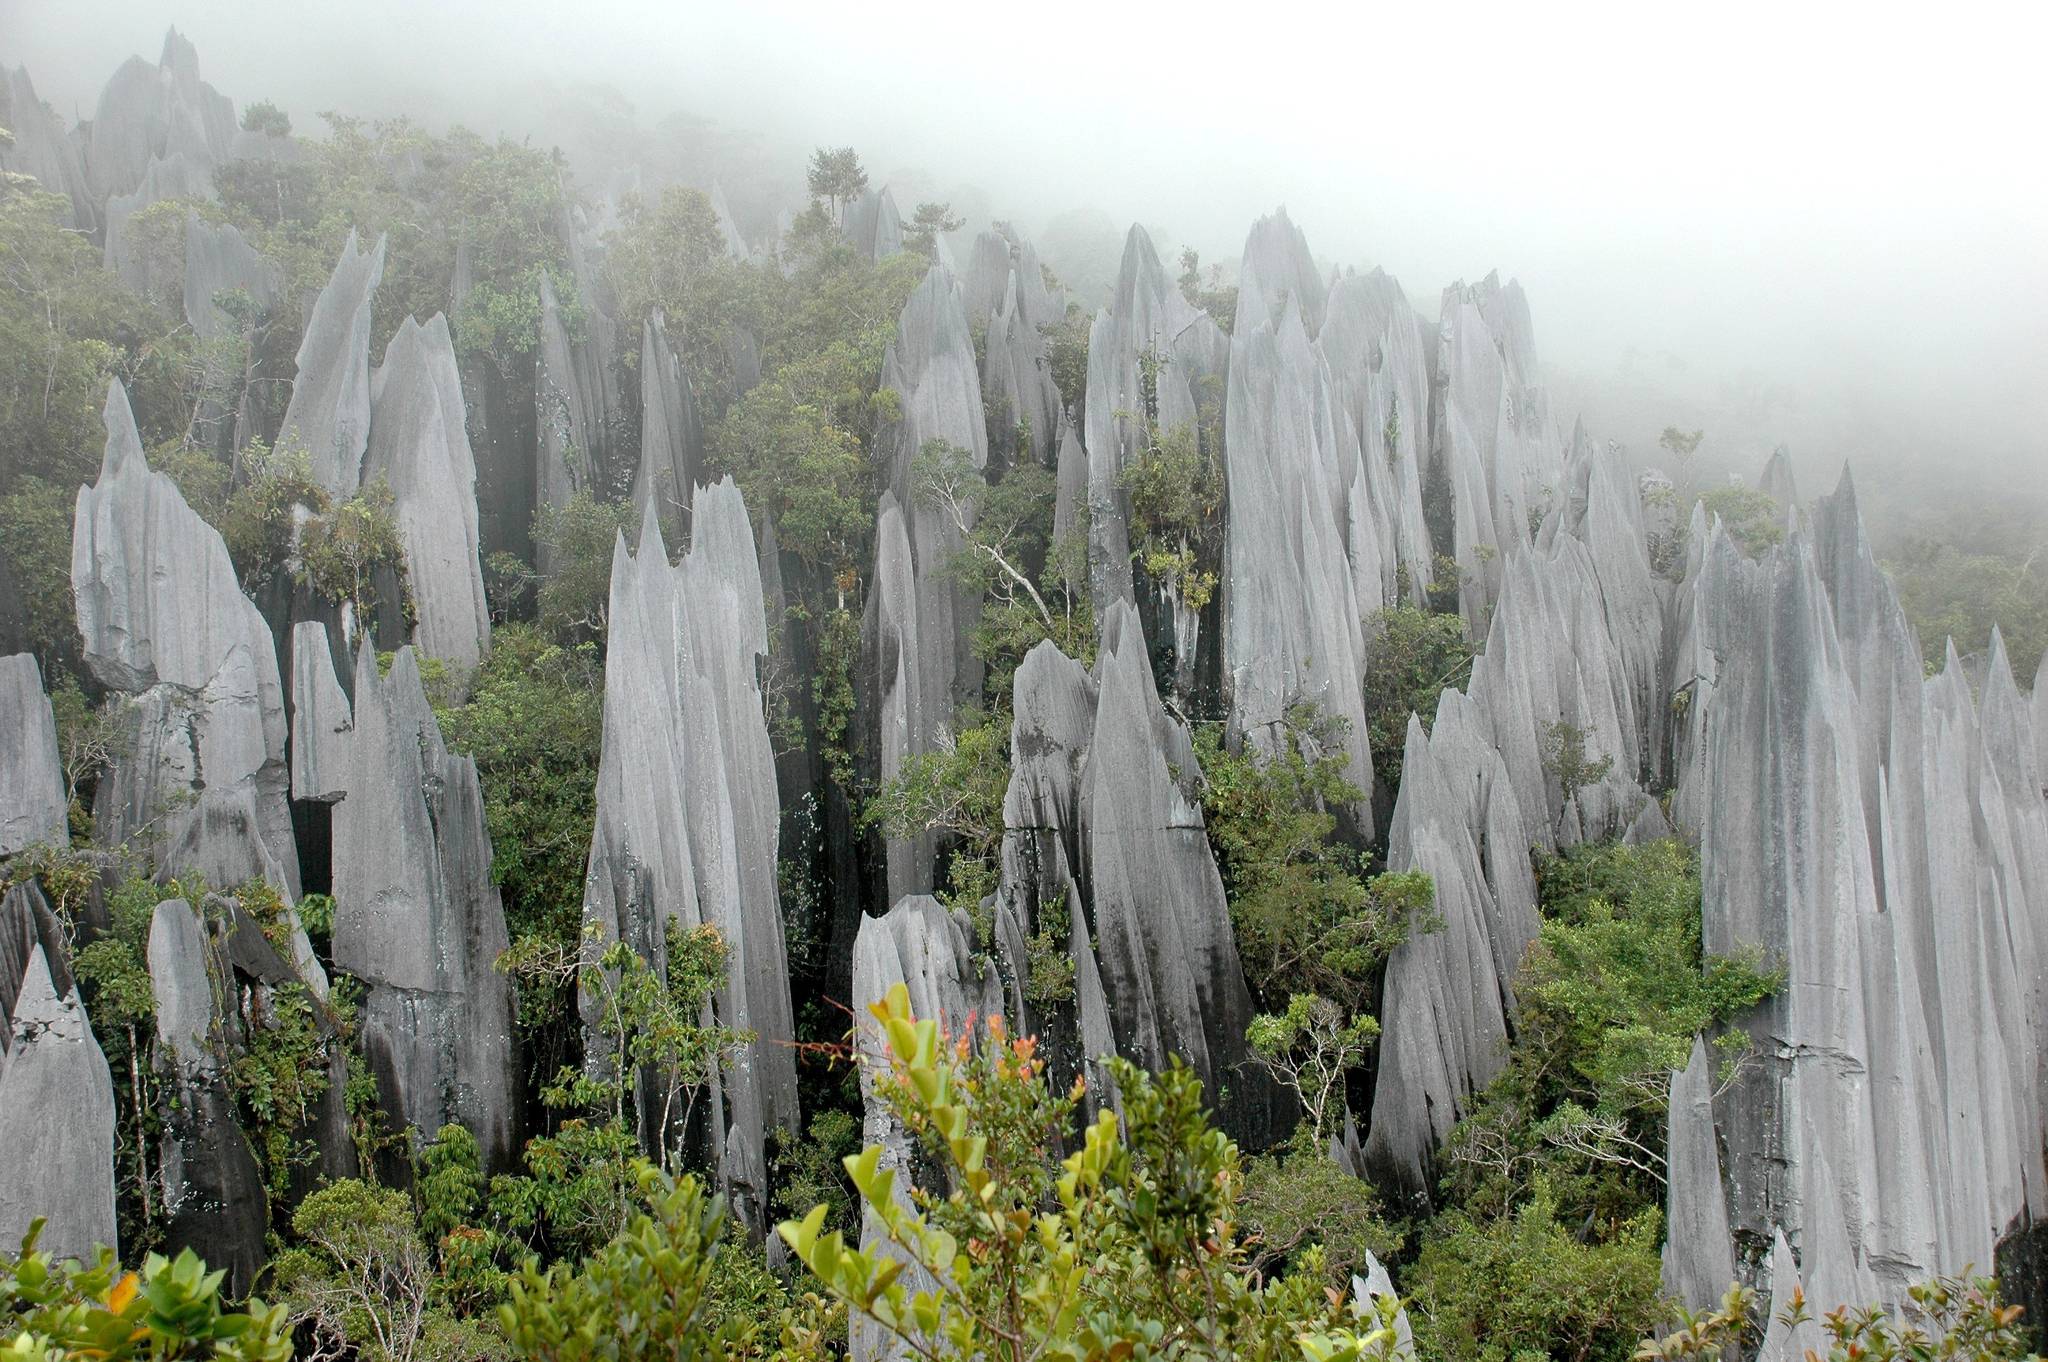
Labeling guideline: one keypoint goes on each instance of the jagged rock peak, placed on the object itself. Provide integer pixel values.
(32, 801)
(56, 1106)
(321, 717)
(43, 147)
(1776, 480)
(419, 445)
(1277, 269)
(328, 416)
(162, 617)
(417, 918)
(671, 432)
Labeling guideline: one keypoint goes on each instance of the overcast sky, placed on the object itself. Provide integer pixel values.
(1851, 200)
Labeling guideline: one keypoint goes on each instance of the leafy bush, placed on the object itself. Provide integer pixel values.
(1415, 655)
(1127, 1247)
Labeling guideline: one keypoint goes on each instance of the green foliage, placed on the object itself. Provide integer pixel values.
(656, 1293)
(1953, 1318)
(448, 1181)
(1612, 993)
(578, 538)
(930, 222)
(836, 176)
(1127, 1247)
(168, 1311)
(1297, 1199)
(361, 1279)
(1218, 300)
(1950, 592)
(669, 255)
(1066, 346)
(1566, 757)
(1751, 516)
(35, 558)
(1307, 918)
(1416, 655)
(1526, 1285)
(534, 722)
(793, 464)
(266, 118)
(955, 790)
(342, 550)
(1005, 526)
(1175, 487)
(832, 691)
(811, 1171)
(1309, 1048)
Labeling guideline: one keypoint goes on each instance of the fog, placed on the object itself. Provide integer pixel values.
(1819, 224)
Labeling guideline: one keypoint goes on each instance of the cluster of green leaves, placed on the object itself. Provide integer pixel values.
(1555, 1175)
(1126, 1247)
(793, 463)
(1416, 655)
(669, 255)
(1751, 516)
(1307, 916)
(1952, 592)
(956, 791)
(168, 1311)
(1175, 490)
(1218, 299)
(1956, 1318)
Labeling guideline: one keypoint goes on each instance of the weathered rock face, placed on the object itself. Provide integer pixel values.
(1022, 402)
(176, 176)
(903, 727)
(930, 364)
(212, 1188)
(56, 1094)
(329, 412)
(32, 803)
(203, 779)
(419, 444)
(157, 111)
(1777, 482)
(871, 224)
(219, 259)
(1147, 320)
(321, 718)
(43, 148)
(1885, 840)
(1103, 825)
(1699, 1259)
(687, 821)
(926, 949)
(671, 434)
(1492, 435)
(417, 918)
(563, 414)
(1277, 270)
(1373, 343)
(1292, 618)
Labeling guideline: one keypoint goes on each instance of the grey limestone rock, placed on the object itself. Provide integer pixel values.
(417, 918)
(1276, 270)
(329, 412)
(563, 414)
(419, 445)
(168, 177)
(150, 111)
(1293, 628)
(903, 725)
(56, 1101)
(43, 148)
(871, 224)
(1016, 380)
(687, 823)
(1378, 1285)
(1699, 1258)
(1777, 482)
(219, 259)
(671, 433)
(32, 800)
(321, 717)
(163, 618)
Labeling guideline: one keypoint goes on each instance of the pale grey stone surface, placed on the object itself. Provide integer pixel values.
(687, 824)
(163, 618)
(1777, 482)
(1378, 1285)
(1699, 1258)
(563, 415)
(671, 433)
(417, 918)
(32, 801)
(321, 717)
(419, 445)
(168, 177)
(56, 1107)
(43, 147)
(872, 225)
(329, 413)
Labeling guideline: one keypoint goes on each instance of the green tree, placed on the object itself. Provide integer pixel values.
(836, 177)
(266, 118)
(1415, 655)
(1126, 1247)
(930, 222)
(793, 464)
(169, 1310)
